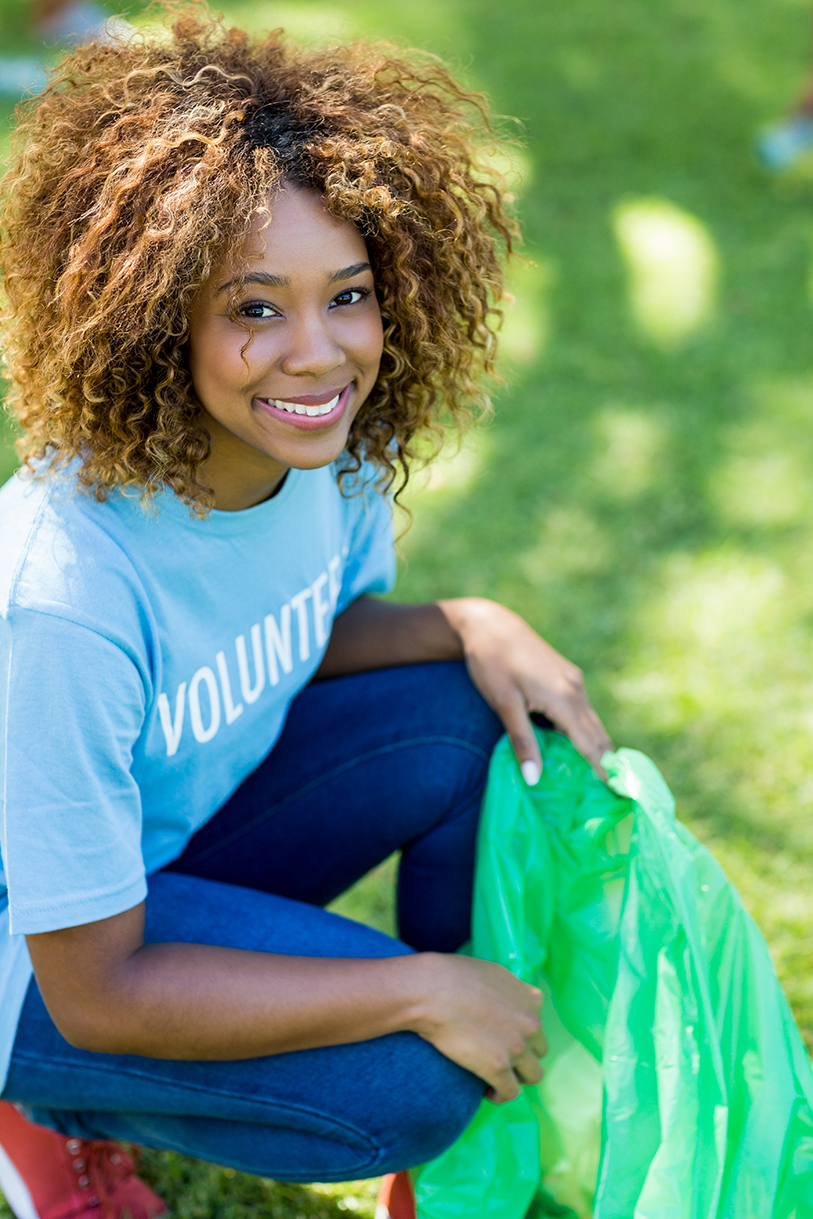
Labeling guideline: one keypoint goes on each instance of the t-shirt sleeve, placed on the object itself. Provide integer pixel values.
(70, 819)
(370, 562)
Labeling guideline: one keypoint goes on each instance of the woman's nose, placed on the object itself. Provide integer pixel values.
(311, 349)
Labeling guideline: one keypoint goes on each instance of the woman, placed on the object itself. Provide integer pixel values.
(242, 278)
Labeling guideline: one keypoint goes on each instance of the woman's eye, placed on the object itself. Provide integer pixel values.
(350, 296)
(257, 310)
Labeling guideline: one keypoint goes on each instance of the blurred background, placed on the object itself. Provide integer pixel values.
(644, 494)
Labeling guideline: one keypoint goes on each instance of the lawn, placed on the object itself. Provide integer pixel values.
(644, 495)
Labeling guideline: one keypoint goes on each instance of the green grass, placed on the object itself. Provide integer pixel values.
(644, 495)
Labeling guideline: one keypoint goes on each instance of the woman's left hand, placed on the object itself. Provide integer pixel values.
(514, 670)
(517, 672)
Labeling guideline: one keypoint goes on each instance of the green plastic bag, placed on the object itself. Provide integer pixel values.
(677, 1085)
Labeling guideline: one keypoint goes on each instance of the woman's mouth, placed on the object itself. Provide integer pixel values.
(310, 412)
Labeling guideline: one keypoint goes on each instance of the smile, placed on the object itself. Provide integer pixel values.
(308, 413)
(297, 408)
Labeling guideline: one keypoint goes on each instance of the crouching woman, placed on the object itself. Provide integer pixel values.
(242, 279)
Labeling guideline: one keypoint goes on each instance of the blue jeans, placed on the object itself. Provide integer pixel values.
(365, 765)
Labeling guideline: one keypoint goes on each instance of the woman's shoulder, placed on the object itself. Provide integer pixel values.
(58, 554)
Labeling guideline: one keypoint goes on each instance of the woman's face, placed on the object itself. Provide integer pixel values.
(287, 394)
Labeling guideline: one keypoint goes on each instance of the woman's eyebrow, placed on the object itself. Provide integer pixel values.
(281, 281)
(257, 277)
(349, 272)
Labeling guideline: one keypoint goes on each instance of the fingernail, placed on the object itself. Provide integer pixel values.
(531, 773)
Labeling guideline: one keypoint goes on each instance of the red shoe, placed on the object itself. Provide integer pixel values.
(43, 1175)
(396, 1198)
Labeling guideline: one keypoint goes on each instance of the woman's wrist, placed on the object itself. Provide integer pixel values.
(468, 615)
(418, 976)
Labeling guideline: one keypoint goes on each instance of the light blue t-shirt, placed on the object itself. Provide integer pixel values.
(147, 661)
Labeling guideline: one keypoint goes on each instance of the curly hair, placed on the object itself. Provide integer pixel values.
(145, 161)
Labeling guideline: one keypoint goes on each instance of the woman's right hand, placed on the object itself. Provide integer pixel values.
(483, 1018)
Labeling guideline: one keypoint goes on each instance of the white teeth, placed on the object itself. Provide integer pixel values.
(295, 408)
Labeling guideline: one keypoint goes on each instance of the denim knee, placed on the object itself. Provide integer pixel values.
(431, 1107)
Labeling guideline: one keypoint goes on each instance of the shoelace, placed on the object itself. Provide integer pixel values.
(101, 1166)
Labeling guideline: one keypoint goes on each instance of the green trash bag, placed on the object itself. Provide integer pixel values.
(677, 1085)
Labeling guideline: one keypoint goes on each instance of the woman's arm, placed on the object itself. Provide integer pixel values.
(515, 670)
(109, 992)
